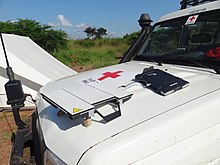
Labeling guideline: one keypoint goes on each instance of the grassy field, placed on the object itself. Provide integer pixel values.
(87, 54)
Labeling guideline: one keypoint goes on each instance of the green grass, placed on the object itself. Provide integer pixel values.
(95, 53)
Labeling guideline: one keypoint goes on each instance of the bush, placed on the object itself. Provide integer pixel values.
(43, 35)
(65, 56)
(86, 43)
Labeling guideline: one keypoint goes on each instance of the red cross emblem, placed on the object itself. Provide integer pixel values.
(110, 75)
(192, 18)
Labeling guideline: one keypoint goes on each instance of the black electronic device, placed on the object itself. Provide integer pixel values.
(14, 92)
(161, 82)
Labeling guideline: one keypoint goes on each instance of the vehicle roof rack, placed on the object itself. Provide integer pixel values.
(187, 3)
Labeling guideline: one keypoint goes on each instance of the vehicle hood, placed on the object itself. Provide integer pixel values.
(72, 142)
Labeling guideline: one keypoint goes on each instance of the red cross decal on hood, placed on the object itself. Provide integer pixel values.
(110, 75)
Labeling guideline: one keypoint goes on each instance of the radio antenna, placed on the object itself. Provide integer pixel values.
(6, 57)
(9, 70)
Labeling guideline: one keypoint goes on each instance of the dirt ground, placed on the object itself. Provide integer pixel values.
(7, 126)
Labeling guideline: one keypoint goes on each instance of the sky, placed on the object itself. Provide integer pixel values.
(119, 17)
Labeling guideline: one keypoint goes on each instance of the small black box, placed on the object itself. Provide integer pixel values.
(14, 91)
(161, 82)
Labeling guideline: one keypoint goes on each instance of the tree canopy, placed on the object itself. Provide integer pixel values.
(46, 37)
(94, 33)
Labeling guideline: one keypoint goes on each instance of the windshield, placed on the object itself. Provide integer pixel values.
(190, 40)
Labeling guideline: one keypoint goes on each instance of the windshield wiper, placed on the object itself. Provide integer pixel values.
(205, 64)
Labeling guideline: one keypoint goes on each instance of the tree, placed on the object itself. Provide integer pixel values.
(90, 31)
(94, 33)
(43, 35)
(100, 32)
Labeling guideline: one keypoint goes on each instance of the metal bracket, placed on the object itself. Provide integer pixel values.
(23, 140)
(111, 116)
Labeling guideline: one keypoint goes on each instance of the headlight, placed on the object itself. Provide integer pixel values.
(51, 159)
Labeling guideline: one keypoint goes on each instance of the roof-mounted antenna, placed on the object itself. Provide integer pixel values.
(14, 91)
(10, 73)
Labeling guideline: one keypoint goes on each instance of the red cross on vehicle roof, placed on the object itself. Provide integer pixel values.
(192, 18)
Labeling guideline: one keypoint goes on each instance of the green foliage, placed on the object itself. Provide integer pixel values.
(86, 43)
(96, 58)
(94, 33)
(101, 32)
(90, 32)
(130, 38)
(65, 56)
(43, 35)
(92, 53)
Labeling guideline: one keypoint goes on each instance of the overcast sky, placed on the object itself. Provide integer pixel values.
(119, 17)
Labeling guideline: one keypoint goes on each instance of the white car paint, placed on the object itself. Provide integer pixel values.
(151, 125)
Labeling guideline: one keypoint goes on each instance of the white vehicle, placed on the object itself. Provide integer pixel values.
(160, 105)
